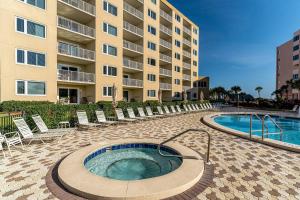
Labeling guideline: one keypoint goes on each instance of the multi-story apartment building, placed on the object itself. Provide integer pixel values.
(75, 50)
(288, 65)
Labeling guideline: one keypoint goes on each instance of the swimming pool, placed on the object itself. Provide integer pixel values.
(241, 122)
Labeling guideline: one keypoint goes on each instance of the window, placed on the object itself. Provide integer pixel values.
(195, 52)
(177, 94)
(151, 93)
(107, 91)
(177, 81)
(195, 42)
(38, 3)
(295, 48)
(108, 7)
(112, 30)
(178, 18)
(151, 77)
(30, 58)
(177, 43)
(151, 61)
(195, 30)
(195, 63)
(177, 56)
(151, 30)
(152, 46)
(295, 76)
(194, 95)
(177, 69)
(153, 1)
(30, 28)
(296, 38)
(109, 50)
(195, 74)
(36, 88)
(152, 14)
(296, 57)
(109, 70)
(202, 84)
(177, 30)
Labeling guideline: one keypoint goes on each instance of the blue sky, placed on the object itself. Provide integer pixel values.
(238, 39)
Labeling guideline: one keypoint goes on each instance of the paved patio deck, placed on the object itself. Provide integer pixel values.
(242, 169)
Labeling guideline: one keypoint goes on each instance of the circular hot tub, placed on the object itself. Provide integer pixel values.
(130, 169)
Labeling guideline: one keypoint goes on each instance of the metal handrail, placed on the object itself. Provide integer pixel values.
(251, 117)
(275, 123)
(180, 134)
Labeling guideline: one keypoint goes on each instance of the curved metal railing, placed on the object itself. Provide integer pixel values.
(275, 123)
(180, 134)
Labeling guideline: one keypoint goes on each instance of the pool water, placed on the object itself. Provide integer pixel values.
(133, 163)
(290, 126)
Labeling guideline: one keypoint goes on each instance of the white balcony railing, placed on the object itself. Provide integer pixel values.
(132, 10)
(132, 82)
(79, 77)
(187, 30)
(165, 29)
(187, 65)
(165, 43)
(132, 64)
(75, 51)
(75, 26)
(81, 5)
(186, 42)
(165, 58)
(165, 15)
(132, 28)
(165, 72)
(132, 46)
(165, 86)
(187, 54)
(186, 77)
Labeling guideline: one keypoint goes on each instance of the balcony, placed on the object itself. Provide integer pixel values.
(74, 54)
(165, 44)
(74, 31)
(186, 88)
(187, 54)
(132, 48)
(165, 72)
(135, 83)
(77, 9)
(75, 77)
(187, 65)
(133, 11)
(187, 30)
(166, 16)
(186, 77)
(132, 65)
(165, 30)
(165, 86)
(187, 42)
(165, 58)
(132, 29)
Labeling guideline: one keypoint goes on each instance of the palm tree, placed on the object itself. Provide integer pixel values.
(278, 94)
(236, 89)
(258, 89)
(285, 89)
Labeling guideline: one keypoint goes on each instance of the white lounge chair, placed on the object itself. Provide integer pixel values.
(197, 107)
(101, 119)
(83, 120)
(121, 117)
(179, 110)
(203, 107)
(295, 108)
(194, 108)
(42, 127)
(190, 108)
(161, 112)
(186, 108)
(174, 110)
(28, 135)
(13, 140)
(132, 115)
(168, 111)
(150, 113)
(142, 114)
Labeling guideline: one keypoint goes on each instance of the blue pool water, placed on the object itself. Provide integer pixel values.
(290, 126)
(132, 162)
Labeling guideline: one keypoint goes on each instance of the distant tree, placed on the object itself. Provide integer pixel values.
(278, 94)
(258, 89)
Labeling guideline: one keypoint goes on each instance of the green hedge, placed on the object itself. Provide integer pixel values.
(52, 113)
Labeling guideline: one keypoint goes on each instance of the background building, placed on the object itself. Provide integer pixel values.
(75, 51)
(287, 67)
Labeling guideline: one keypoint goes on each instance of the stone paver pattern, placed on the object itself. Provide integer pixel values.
(242, 169)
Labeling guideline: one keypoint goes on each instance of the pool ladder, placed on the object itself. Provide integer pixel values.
(265, 128)
(182, 133)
